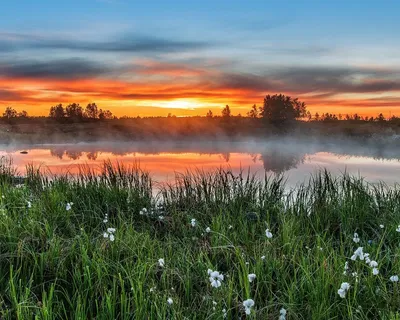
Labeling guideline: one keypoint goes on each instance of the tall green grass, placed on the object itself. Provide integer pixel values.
(56, 263)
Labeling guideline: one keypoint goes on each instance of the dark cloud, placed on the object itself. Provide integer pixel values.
(56, 69)
(11, 95)
(126, 43)
(338, 80)
(245, 81)
(324, 80)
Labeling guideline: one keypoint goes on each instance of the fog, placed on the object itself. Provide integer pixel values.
(293, 157)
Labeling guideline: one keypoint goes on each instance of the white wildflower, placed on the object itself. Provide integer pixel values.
(170, 301)
(394, 278)
(69, 206)
(110, 234)
(105, 220)
(381, 226)
(398, 228)
(160, 217)
(224, 313)
(344, 287)
(251, 277)
(262, 257)
(268, 234)
(375, 271)
(152, 289)
(143, 212)
(161, 262)
(208, 230)
(230, 227)
(373, 264)
(356, 239)
(215, 278)
(358, 254)
(193, 222)
(282, 314)
(29, 204)
(248, 304)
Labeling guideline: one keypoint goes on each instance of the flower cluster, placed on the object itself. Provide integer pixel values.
(215, 278)
(109, 234)
(193, 222)
(356, 239)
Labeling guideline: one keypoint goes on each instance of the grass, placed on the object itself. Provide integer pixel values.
(56, 263)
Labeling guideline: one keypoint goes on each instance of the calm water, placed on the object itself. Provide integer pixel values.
(296, 161)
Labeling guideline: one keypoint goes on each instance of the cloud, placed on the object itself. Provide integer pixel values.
(338, 79)
(56, 69)
(11, 95)
(130, 43)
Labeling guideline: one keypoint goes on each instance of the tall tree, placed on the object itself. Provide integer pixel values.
(106, 114)
(281, 108)
(209, 114)
(57, 112)
(253, 113)
(10, 113)
(226, 112)
(91, 111)
(74, 111)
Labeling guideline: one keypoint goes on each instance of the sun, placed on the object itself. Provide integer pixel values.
(180, 104)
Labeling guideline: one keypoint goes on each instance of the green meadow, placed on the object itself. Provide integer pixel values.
(113, 244)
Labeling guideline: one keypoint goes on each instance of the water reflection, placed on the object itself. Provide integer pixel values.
(295, 160)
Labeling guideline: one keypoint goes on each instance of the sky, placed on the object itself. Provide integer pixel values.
(151, 58)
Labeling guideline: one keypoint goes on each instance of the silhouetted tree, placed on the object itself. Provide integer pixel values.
(105, 115)
(74, 111)
(316, 117)
(209, 114)
(23, 114)
(380, 118)
(10, 113)
(253, 113)
(309, 115)
(57, 112)
(91, 111)
(281, 108)
(226, 112)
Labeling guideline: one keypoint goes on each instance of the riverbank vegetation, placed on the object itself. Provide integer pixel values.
(279, 116)
(113, 244)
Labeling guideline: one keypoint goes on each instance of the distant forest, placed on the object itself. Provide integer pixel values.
(276, 109)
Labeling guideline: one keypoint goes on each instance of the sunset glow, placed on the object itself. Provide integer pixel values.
(211, 62)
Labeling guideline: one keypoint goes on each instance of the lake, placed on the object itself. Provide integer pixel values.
(163, 159)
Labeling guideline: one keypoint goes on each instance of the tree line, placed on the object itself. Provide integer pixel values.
(276, 109)
(72, 111)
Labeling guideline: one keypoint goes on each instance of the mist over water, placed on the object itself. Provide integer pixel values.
(296, 160)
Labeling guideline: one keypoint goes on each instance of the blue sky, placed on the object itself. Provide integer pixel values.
(344, 51)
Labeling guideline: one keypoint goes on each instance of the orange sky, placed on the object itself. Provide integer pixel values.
(179, 97)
